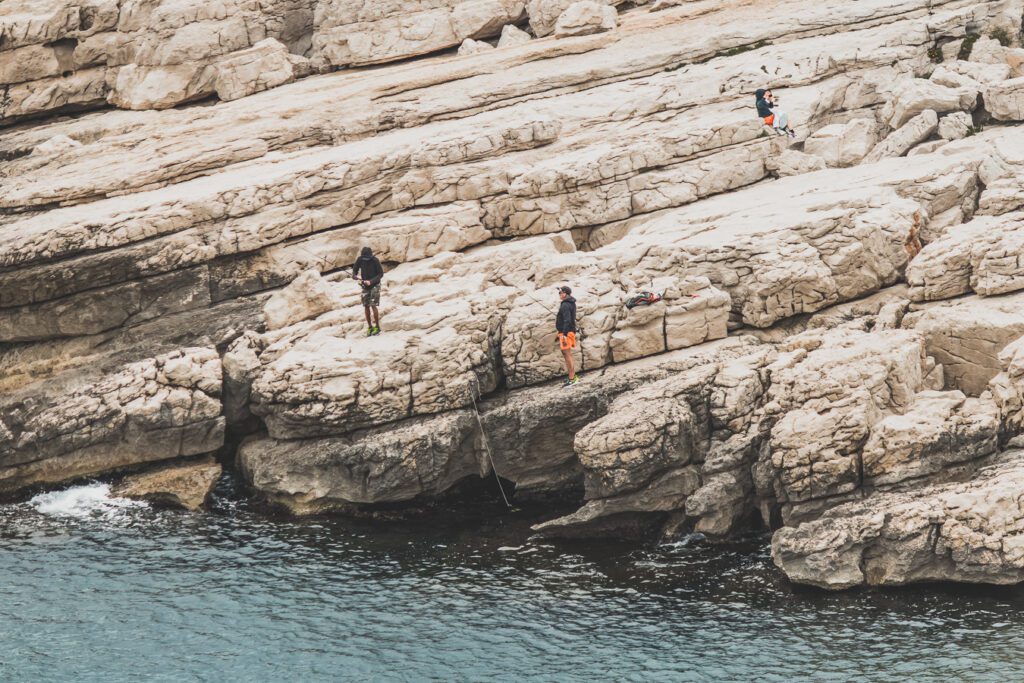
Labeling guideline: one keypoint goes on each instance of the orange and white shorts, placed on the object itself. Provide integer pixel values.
(567, 341)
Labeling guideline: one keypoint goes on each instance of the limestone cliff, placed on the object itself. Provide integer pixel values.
(837, 354)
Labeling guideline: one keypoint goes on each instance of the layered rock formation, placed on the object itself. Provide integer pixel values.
(838, 334)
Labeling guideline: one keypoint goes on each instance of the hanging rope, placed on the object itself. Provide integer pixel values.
(487, 448)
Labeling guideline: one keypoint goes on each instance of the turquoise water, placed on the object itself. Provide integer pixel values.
(96, 589)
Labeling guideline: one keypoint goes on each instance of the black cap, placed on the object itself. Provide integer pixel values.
(565, 288)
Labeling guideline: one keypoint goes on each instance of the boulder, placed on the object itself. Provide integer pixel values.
(926, 148)
(187, 485)
(586, 17)
(979, 256)
(967, 335)
(791, 162)
(1005, 101)
(544, 14)
(918, 95)
(673, 450)
(843, 144)
(264, 65)
(350, 33)
(988, 51)
(1007, 388)
(421, 459)
(955, 126)
(940, 430)
(825, 395)
(902, 139)
(308, 296)
(512, 35)
(474, 47)
(966, 531)
(979, 72)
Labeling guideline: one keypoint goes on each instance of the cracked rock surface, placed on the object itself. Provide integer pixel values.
(184, 187)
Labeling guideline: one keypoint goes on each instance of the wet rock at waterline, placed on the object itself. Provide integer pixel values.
(185, 485)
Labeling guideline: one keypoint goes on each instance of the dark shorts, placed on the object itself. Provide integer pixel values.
(371, 295)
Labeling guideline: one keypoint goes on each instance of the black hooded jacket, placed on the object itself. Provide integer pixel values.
(565, 321)
(764, 107)
(368, 268)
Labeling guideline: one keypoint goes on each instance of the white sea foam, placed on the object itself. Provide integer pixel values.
(89, 500)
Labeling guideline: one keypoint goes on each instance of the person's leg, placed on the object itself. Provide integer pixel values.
(366, 312)
(782, 123)
(570, 367)
(376, 316)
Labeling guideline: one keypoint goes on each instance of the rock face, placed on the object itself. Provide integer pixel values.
(586, 17)
(843, 144)
(157, 409)
(186, 486)
(174, 282)
(968, 532)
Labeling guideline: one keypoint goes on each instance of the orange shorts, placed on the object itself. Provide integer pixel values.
(567, 341)
(769, 120)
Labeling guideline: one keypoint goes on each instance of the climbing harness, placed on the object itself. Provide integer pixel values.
(474, 390)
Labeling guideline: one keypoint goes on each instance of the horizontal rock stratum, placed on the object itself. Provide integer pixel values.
(836, 356)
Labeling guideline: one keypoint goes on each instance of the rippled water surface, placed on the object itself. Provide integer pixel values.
(101, 589)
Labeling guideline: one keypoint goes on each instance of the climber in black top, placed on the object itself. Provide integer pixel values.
(779, 120)
(368, 271)
(565, 324)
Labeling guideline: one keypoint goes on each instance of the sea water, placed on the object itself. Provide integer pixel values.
(96, 588)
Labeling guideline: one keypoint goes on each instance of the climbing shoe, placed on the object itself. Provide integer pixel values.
(375, 332)
(369, 331)
(570, 382)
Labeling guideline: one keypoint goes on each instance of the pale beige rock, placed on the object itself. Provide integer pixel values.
(940, 430)
(927, 148)
(967, 335)
(969, 532)
(150, 55)
(952, 78)
(1005, 100)
(485, 182)
(56, 145)
(422, 459)
(512, 35)
(827, 392)
(544, 14)
(265, 65)
(308, 296)
(988, 51)
(186, 485)
(955, 126)
(1008, 388)
(586, 17)
(983, 256)
(158, 409)
(351, 32)
(977, 71)
(903, 138)
(916, 96)
(659, 450)
(843, 144)
(791, 162)
(474, 47)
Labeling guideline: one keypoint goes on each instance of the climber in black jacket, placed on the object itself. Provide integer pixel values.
(765, 103)
(368, 271)
(565, 324)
